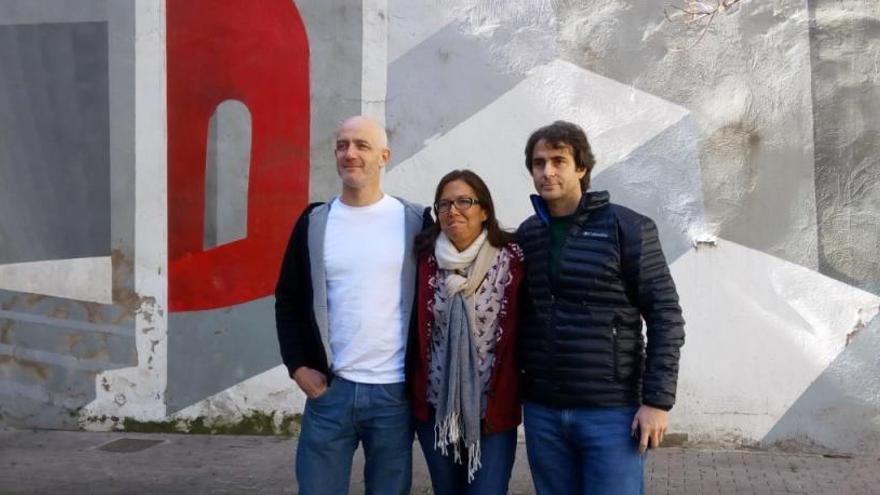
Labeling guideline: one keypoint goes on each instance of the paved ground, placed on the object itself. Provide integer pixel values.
(60, 462)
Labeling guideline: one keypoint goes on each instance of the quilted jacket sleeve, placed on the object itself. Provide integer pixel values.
(650, 285)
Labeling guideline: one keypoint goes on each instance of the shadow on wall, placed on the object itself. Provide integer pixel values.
(838, 412)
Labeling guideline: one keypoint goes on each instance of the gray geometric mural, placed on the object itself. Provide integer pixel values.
(839, 409)
(448, 77)
(54, 141)
(846, 123)
(335, 31)
(759, 174)
(227, 172)
(210, 351)
(647, 181)
(67, 182)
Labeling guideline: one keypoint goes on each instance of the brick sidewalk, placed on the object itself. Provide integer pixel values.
(692, 471)
(60, 462)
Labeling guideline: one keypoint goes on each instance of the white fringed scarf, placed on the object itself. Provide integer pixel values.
(457, 421)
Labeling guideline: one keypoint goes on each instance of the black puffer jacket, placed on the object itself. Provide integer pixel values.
(581, 342)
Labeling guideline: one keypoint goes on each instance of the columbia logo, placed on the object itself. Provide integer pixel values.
(601, 235)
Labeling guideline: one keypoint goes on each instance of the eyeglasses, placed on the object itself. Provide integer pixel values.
(461, 204)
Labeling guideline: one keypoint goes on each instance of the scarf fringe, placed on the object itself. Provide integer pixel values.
(448, 432)
(473, 460)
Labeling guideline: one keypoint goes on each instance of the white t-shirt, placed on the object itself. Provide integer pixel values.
(363, 258)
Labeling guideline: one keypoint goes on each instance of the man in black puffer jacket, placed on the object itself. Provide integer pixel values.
(596, 395)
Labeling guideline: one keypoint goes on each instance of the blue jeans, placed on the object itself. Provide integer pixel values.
(583, 450)
(497, 453)
(334, 423)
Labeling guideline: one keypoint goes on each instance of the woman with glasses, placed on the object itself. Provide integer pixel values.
(463, 378)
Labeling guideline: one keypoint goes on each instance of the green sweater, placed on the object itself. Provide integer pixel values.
(558, 229)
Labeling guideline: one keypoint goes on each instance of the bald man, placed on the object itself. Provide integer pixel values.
(342, 310)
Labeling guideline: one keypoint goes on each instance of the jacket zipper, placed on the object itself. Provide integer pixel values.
(553, 341)
(552, 324)
(614, 351)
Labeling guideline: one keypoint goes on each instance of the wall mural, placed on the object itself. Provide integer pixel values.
(155, 154)
(220, 297)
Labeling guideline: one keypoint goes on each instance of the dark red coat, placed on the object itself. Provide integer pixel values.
(503, 406)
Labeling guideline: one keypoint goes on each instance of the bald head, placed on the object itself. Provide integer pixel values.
(365, 126)
(361, 155)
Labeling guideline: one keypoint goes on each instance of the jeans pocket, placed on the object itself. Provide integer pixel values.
(324, 395)
(391, 394)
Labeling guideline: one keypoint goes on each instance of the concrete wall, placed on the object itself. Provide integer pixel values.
(156, 153)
